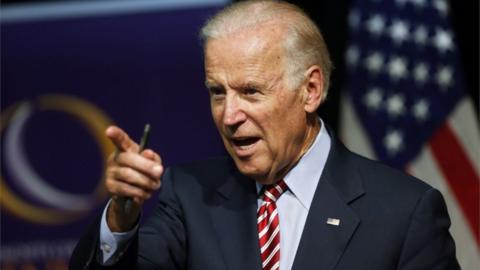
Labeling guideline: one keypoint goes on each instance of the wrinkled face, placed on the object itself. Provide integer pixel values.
(262, 123)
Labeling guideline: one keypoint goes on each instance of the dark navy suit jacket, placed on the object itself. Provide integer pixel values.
(206, 220)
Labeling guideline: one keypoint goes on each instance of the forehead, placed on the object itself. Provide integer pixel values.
(256, 49)
(259, 36)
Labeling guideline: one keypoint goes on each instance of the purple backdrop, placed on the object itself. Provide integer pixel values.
(133, 68)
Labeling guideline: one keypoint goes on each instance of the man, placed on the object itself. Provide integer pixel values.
(290, 196)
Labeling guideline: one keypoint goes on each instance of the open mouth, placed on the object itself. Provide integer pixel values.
(244, 143)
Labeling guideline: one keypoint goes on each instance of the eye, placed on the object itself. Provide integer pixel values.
(250, 91)
(216, 91)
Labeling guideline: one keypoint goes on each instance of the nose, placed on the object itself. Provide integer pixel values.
(233, 113)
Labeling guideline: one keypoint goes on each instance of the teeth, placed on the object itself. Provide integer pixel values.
(245, 147)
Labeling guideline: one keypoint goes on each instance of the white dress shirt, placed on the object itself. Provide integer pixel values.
(113, 244)
(292, 206)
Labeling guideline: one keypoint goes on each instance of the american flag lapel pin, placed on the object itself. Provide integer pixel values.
(333, 221)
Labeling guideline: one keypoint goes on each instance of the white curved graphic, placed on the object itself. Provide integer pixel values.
(26, 177)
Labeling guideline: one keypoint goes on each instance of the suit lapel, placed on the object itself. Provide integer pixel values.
(234, 219)
(322, 244)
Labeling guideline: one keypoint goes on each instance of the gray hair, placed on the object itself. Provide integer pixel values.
(304, 44)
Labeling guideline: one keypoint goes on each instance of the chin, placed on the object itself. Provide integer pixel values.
(250, 168)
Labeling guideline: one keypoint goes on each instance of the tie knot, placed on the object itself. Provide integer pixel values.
(271, 193)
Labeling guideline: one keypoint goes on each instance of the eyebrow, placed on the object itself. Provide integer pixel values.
(249, 84)
(209, 84)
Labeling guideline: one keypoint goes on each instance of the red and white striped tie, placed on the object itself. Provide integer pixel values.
(269, 226)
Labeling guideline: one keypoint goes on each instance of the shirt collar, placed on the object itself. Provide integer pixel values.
(302, 179)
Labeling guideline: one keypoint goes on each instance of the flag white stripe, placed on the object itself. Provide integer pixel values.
(465, 126)
(351, 131)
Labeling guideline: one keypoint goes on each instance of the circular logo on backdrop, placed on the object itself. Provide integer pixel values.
(58, 206)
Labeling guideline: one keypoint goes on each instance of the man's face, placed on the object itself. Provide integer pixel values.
(262, 123)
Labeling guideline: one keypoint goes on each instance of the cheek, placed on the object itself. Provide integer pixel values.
(281, 124)
(272, 127)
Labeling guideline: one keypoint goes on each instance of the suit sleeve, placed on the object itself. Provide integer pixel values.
(162, 240)
(428, 244)
(159, 244)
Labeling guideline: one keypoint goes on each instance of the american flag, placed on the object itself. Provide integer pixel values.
(406, 105)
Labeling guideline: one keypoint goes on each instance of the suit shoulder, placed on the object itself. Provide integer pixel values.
(387, 192)
(378, 175)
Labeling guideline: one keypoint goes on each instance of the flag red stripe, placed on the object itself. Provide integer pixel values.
(459, 174)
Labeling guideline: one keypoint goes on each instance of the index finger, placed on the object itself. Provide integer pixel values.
(121, 139)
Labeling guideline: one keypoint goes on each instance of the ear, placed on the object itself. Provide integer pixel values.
(313, 89)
